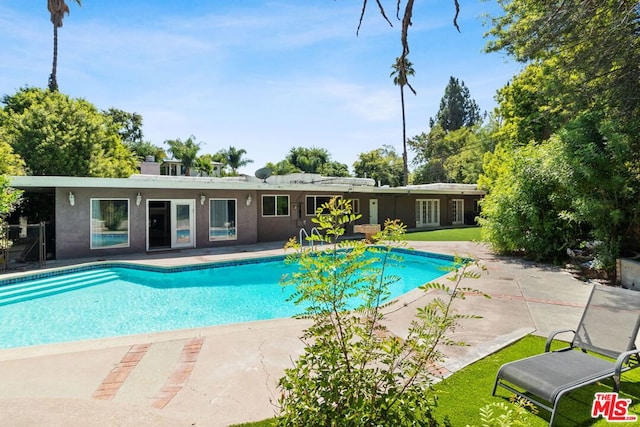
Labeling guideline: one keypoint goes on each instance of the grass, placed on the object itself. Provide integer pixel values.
(461, 396)
(446, 235)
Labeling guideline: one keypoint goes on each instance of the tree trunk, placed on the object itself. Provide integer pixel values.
(405, 170)
(53, 82)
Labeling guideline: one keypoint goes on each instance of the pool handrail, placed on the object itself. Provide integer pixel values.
(303, 233)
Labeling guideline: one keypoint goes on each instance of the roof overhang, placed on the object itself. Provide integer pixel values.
(213, 183)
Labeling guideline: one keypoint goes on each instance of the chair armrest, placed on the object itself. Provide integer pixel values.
(552, 335)
(621, 360)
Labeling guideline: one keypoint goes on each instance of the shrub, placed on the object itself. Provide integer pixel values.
(353, 371)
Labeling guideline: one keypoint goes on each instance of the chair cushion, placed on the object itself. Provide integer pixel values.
(547, 374)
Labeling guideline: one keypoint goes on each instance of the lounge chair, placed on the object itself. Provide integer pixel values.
(609, 327)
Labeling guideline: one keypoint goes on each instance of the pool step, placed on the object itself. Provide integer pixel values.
(23, 291)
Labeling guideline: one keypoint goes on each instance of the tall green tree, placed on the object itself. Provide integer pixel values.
(595, 44)
(452, 150)
(58, 135)
(382, 164)
(308, 160)
(57, 10)
(186, 152)
(283, 167)
(580, 91)
(402, 69)
(454, 156)
(235, 158)
(129, 125)
(333, 168)
(457, 108)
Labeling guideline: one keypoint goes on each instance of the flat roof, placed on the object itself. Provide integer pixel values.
(244, 182)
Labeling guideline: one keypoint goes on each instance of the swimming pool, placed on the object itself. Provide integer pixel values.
(114, 299)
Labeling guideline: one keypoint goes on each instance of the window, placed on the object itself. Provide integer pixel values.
(109, 223)
(222, 219)
(275, 205)
(314, 202)
(355, 205)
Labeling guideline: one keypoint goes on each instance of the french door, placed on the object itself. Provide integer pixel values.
(170, 224)
(182, 224)
(427, 213)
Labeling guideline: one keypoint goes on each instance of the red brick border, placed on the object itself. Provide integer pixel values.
(118, 375)
(181, 373)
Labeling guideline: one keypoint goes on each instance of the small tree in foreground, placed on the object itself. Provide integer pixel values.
(354, 371)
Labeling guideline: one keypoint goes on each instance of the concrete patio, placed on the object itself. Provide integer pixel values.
(217, 376)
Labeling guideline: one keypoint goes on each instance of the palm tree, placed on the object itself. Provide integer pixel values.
(403, 68)
(186, 152)
(234, 158)
(57, 9)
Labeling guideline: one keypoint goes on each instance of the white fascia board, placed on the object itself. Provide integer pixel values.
(212, 183)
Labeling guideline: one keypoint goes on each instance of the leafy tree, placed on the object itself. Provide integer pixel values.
(582, 89)
(9, 198)
(402, 69)
(283, 167)
(525, 211)
(12, 164)
(352, 370)
(57, 135)
(333, 168)
(575, 186)
(533, 105)
(186, 151)
(142, 149)
(382, 164)
(454, 156)
(595, 42)
(57, 9)
(203, 164)
(451, 151)
(234, 158)
(457, 108)
(603, 188)
(431, 172)
(308, 160)
(129, 125)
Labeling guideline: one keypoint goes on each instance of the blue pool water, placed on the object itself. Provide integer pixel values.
(118, 299)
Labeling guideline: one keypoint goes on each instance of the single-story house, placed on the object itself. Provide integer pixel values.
(109, 216)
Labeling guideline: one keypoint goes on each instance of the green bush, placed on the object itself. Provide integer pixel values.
(353, 371)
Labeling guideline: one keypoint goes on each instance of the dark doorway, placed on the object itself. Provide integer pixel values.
(159, 225)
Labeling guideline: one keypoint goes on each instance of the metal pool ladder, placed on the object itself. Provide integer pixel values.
(303, 234)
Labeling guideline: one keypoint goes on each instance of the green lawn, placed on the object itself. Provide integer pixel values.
(446, 235)
(461, 396)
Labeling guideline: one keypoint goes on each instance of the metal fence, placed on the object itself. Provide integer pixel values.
(22, 246)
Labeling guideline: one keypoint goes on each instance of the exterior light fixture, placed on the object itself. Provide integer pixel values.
(138, 199)
(72, 199)
(203, 199)
(249, 200)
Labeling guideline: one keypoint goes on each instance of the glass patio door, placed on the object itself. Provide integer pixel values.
(182, 224)
(427, 213)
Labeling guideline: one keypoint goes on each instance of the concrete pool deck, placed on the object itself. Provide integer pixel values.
(222, 375)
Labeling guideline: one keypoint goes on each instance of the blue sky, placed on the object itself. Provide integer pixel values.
(265, 76)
